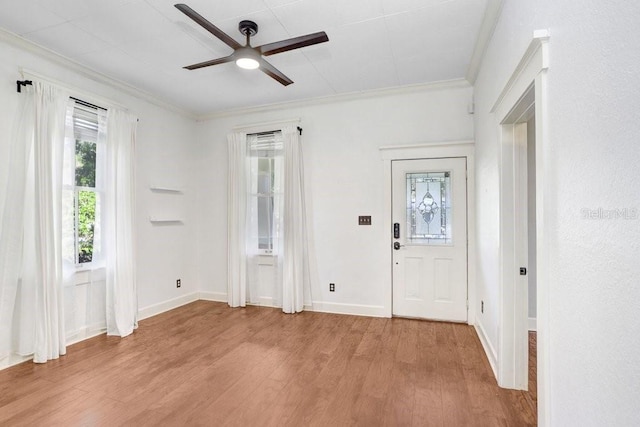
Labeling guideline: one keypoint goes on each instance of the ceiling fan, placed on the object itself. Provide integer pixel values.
(247, 56)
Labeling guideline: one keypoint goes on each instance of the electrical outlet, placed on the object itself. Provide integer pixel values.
(481, 306)
(332, 287)
(178, 283)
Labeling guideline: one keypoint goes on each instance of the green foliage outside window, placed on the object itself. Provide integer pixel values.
(86, 177)
(86, 224)
(85, 164)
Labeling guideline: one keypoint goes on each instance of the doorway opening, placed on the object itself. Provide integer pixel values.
(524, 96)
(519, 230)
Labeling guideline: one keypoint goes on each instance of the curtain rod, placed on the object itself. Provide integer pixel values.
(87, 104)
(269, 132)
(21, 83)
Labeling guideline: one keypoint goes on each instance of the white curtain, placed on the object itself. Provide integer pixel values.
(237, 220)
(31, 249)
(295, 277)
(281, 276)
(118, 210)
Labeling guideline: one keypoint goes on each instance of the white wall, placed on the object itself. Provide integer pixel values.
(344, 174)
(593, 291)
(165, 153)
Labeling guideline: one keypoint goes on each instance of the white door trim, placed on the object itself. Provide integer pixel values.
(525, 92)
(430, 150)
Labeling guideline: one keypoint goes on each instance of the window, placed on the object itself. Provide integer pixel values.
(265, 153)
(85, 192)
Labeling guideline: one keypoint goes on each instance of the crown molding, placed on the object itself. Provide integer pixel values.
(488, 26)
(376, 93)
(99, 77)
(86, 72)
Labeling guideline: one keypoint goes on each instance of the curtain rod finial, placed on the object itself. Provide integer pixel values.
(20, 83)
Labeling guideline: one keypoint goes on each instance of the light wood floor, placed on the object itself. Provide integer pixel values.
(207, 364)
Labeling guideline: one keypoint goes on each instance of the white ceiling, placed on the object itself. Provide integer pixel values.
(373, 44)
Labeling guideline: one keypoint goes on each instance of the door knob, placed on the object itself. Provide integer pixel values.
(397, 245)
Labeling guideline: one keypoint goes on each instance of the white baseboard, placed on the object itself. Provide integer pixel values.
(13, 359)
(353, 309)
(85, 334)
(213, 296)
(491, 353)
(319, 306)
(152, 310)
(533, 324)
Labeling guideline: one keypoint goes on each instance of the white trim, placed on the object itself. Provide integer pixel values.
(213, 296)
(533, 324)
(265, 302)
(489, 350)
(488, 26)
(155, 309)
(534, 60)
(12, 360)
(85, 333)
(86, 72)
(433, 149)
(399, 90)
(352, 309)
(393, 151)
(511, 107)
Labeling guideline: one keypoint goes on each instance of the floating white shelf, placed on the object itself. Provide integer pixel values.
(165, 189)
(161, 220)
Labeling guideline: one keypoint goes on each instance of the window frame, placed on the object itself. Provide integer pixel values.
(80, 136)
(265, 149)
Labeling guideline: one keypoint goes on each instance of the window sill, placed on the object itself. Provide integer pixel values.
(87, 274)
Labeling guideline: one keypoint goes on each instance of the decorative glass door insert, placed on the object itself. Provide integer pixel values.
(429, 208)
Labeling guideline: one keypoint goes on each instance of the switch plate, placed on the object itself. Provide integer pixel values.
(364, 220)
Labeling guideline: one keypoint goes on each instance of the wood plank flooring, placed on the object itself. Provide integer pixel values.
(205, 364)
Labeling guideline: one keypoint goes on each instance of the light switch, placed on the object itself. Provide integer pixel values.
(364, 220)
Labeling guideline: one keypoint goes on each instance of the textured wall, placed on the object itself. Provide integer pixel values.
(594, 134)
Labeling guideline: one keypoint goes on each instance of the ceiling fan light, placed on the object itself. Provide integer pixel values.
(247, 63)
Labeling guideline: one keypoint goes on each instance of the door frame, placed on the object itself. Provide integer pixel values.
(430, 150)
(524, 94)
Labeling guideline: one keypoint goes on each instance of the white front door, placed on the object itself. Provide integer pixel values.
(429, 215)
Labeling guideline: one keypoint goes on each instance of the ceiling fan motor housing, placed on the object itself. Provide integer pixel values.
(249, 28)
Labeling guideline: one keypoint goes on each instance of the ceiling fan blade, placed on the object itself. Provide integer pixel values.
(294, 43)
(274, 73)
(208, 26)
(210, 63)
